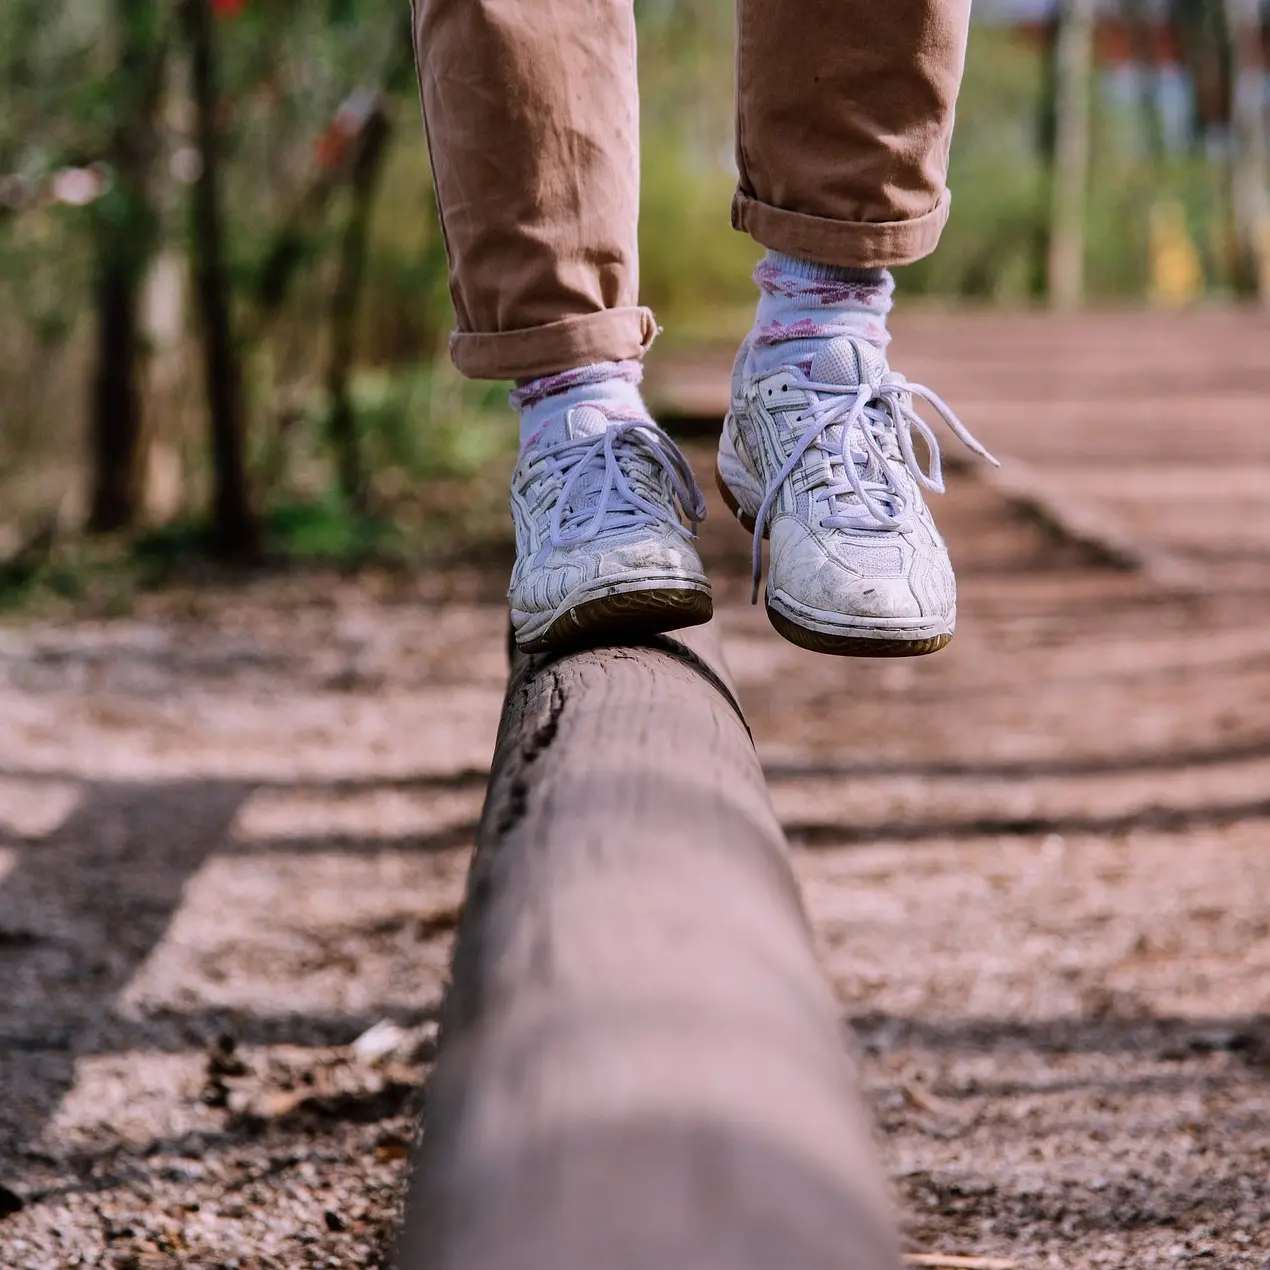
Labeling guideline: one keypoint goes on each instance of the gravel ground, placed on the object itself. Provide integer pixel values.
(234, 828)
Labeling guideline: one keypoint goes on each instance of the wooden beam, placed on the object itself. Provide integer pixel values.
(641, 1065)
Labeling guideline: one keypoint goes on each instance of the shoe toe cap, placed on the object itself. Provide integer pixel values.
(650, 553)
(874, 577)
(829, 589)
(547, 579)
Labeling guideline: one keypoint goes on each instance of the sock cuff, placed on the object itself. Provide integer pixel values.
(612, 387)
(535, 391)
(778, 262)
(802, 303)
(809, 285)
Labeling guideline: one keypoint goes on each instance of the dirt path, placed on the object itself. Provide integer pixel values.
(233, 831)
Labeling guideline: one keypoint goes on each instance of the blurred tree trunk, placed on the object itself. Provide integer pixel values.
(1040, 242)
(1140, 18)
(1200, 27)
(1073, 67)
(235, 532)
(117, 428)
(126, 227)
(1249, 199)
(366, 172)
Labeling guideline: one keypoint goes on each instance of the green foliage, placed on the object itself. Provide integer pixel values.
(406, 313)
(439, 448)
(993, 248)
(324, 532)
(428, 423)
(79, 576)
(692, 265)
(436, 450)
(1118, 220)
(994, 242)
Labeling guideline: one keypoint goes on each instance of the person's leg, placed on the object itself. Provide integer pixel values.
(844, 120)
(532, 117)
(533, 128)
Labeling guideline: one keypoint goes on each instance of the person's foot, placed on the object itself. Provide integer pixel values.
(602, 552)
(822, 462)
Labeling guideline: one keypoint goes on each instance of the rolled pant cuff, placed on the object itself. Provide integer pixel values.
(612, 335)
(848, 244)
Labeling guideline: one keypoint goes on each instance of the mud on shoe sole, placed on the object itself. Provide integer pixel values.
(844, 645)
(838, 636)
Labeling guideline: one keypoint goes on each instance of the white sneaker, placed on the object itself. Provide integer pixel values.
(823, 464)
(601, 549)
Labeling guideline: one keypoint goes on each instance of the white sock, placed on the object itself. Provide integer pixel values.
(803, 303)
(612, 386)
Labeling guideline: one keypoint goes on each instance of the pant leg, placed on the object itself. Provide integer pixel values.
(844, 119)
(532, 114)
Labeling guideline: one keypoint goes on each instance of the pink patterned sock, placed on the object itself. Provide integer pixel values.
(613, 386)
(803, 303)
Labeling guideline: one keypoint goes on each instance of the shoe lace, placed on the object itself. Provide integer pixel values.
(610, 483)
(865, 490)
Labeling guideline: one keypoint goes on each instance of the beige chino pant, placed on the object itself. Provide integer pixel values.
(844, 118)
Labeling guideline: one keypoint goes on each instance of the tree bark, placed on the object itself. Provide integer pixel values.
(117, 428)
(1073, 66)
(235, 531)
(126, 224)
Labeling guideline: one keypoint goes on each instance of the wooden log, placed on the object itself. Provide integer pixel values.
(641, 1065)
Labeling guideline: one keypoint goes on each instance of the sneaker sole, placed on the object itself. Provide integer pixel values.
(624, 616)
(853, 645)
(832, 643)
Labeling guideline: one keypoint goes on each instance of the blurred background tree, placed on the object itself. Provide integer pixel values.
(224, 288)
(126, 229)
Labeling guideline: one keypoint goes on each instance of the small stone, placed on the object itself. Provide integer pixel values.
(379, 1042)
(386, 1041)
(10, 1202)
(215, 1093)
(222, 1059)
(392, 1147)
(334, 1222)
(424, 1042)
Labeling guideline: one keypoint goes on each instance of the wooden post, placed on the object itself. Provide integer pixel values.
(641, 1066)
(1073, 62)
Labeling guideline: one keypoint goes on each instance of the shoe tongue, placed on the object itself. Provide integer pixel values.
(588, 482)
(848, 361)
(574, 424)
(586, 421)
